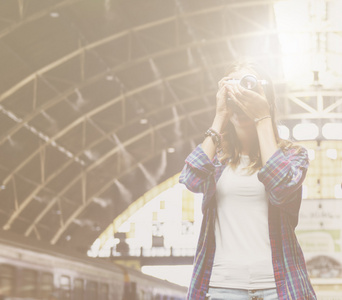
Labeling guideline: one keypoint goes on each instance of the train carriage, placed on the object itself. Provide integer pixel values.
(30, 272)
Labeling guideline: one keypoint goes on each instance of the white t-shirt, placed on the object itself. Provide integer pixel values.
(243, 258)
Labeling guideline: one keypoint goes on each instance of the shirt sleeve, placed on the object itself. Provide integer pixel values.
(283, 175)
(198, 172)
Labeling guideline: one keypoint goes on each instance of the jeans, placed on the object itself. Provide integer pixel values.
(235, 294)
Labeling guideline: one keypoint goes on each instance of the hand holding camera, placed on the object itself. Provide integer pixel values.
(246, 95)
(249, 82)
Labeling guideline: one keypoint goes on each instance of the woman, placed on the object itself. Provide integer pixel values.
(251, 184)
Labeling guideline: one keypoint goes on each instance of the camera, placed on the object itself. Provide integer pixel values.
(249, 82)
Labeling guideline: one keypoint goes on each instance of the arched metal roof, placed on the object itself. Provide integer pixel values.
(94, 95)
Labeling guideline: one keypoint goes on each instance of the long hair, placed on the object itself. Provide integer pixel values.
(231, 148)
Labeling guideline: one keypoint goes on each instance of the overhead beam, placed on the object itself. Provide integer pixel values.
(102, 159)
(33, 17)
(138, 28)
(65, 94)
(90, 114)
(110, 182)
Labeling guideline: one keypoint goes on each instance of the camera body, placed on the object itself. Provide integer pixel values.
(249, 82)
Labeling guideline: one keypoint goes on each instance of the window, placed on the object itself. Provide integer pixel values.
(91, 290)
(78, 289)
(104, 290)
(65, 286)
(148, 295)
(28, 286)
(7, 280)
(46, 285)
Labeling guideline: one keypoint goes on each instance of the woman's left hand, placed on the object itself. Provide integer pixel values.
(253, 104)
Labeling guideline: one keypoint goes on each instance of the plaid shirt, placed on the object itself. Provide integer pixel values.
(282, 176)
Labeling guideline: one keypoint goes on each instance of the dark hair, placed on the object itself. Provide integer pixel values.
(231, 145)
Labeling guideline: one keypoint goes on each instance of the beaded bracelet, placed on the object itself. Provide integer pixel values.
(215, 136)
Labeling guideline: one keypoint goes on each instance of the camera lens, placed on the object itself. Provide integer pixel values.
(249, 82)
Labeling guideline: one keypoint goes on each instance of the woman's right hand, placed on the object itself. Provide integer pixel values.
(223, 114)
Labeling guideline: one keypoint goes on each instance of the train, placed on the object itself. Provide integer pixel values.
(30, 271)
